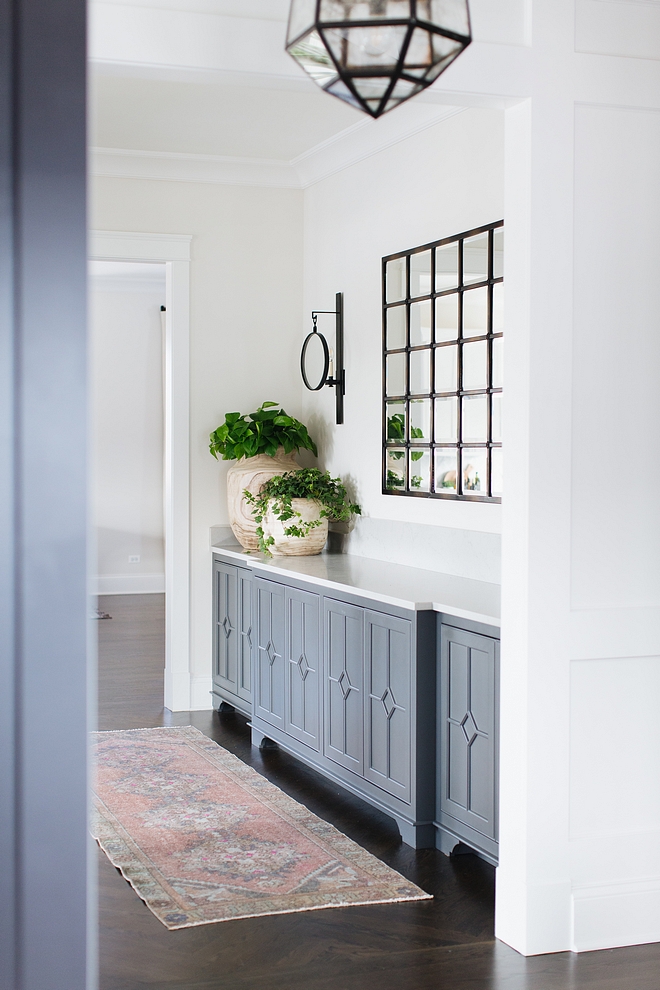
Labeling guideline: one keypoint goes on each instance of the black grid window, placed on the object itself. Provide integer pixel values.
(442, 368)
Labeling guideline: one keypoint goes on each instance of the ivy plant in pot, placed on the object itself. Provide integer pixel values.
(292, 510)
(263, 444)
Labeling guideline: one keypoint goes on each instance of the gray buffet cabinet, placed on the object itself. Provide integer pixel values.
(383, 678)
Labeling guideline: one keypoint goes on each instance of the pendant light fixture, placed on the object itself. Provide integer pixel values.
(374, 54)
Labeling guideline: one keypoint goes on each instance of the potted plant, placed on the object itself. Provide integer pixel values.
(291, 511)
(263, 444)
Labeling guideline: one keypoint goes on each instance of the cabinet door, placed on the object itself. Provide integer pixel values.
(302, 666)
(387, 691)
(268, 626)
(225, 625)
(244, 660)
(343, 684)
(467, 729)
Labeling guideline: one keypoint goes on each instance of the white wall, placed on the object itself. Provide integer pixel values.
(439, 182)
(245, 291)
(615, 535)
(127, 393)
(580, 749)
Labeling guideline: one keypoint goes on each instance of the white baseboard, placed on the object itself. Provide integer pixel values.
(127, 584)
(616, 914)
(200, 694)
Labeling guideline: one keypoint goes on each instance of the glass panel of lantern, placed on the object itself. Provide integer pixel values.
(378, 53)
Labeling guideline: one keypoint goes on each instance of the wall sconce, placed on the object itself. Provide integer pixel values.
(375, 54)
(318, 365)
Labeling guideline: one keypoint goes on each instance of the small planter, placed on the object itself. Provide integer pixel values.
(251, 474)
(263, 445)
(297, 546)
(292, 511)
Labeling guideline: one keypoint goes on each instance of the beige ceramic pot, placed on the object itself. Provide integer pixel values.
(252, 473)
(297, 546)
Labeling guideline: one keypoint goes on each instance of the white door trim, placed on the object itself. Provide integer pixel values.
(174, 251)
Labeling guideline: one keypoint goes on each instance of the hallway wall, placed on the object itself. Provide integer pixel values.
(245, 291)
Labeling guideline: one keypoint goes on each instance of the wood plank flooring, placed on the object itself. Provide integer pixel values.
(433, 945)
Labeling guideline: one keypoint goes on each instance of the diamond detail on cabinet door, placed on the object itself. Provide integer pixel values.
(227, 626)
(345, 685)
(469, 727)
(389, 703)
(303, 666)
(271, 653)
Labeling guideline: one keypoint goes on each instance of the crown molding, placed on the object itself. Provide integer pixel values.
(367, 138)
(355, 144)
(172, 166)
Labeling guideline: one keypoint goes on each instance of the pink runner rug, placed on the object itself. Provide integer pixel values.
(201, 837)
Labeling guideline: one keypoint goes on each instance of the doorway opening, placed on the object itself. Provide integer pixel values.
(152, 255)
(127, 330)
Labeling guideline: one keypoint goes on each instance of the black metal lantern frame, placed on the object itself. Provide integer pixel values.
(338, 378)
(375, 54)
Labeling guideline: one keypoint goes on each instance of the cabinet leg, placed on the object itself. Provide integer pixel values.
(224, 706)
(450, 845)
(262, 741)
(418, 836)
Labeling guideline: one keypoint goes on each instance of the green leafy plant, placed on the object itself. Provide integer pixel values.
(396, 430)
(277, 494)
(261, 432)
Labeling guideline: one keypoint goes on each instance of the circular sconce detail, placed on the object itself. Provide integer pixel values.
(311, 338)
(316, 364)
(375, 54)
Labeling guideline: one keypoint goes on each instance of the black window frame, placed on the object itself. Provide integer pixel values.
(389, 444)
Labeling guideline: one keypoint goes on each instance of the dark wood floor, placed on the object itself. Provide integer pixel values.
(444, 943)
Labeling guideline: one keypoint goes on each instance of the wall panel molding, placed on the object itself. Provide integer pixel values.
(627, 28)
(615, 633)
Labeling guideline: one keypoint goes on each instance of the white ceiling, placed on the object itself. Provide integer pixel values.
(211, 118)
(203, 90)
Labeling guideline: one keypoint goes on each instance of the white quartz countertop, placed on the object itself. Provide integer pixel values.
(391, 584)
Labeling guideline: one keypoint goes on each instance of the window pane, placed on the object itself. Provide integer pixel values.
(474, 365)
(475, 419)
(446, 361)
(496, 417)
(420, 419)
(396, 327)
(395, 374)
(475, 462)
(420, 470)
(475, 312)
(396, 421)
(395, 280)
(446, 267)
(420, 372)
(446, 420)
(446, 318)
(475, 259)
(498, 345)
(498, 307)
(420, 323)
(420, 274)
(498, 252)
(497, 476)
(395, 478)
(445, 469)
